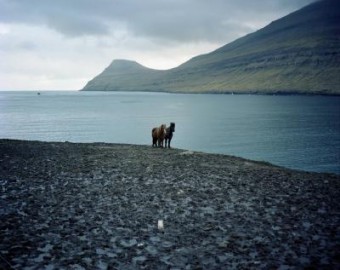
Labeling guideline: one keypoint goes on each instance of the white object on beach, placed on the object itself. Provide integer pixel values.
(187, 153)
(180, 192)
(160, 224)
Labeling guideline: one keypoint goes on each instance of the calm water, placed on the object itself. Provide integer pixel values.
(300, 132)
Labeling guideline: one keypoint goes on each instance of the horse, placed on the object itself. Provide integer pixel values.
(168, 134)
(158, 135)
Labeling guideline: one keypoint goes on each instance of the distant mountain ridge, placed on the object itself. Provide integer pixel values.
(299, 53)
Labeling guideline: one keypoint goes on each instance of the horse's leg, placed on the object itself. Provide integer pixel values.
(154, 139)
(170, 138)
(153, 136)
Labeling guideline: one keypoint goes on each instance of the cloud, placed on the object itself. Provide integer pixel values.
(48, 44)
(161, 19)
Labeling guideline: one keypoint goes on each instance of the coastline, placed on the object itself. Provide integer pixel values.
(229, 92)
(97, 205)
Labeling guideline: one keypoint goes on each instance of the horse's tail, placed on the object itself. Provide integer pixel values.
(153, 131)
(154, 136)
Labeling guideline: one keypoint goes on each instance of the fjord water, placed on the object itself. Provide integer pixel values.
(301, 132)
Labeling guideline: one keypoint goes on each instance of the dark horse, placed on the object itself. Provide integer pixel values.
(158, 135)
(168, 134)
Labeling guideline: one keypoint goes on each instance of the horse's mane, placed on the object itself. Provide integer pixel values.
(170, 129)
(161, 131)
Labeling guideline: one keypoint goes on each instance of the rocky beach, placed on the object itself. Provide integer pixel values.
(113, 206)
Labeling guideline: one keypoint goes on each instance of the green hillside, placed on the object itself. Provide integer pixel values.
(299, 53)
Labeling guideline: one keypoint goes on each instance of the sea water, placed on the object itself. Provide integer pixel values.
(300, 132)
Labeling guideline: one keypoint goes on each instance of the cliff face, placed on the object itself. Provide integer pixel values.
(299, 53)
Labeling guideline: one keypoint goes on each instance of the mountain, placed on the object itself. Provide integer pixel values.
(124, 75)
(299, 53)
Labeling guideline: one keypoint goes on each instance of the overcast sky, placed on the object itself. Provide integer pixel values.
(61, 44)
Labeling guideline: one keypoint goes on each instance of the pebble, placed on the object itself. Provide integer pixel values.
(128, 243)
(151, 250)
(139, 259)
(166, 244)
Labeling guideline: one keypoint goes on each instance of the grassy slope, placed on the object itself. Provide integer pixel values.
(297, 53)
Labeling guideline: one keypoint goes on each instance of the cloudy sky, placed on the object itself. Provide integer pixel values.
(61, 44)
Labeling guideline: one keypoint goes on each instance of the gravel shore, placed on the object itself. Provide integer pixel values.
(101, 206)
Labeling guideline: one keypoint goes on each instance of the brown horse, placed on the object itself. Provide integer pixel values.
(158, 135)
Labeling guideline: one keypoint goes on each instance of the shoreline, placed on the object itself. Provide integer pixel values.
(229, 92)
(98, 205)
(182, 149)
